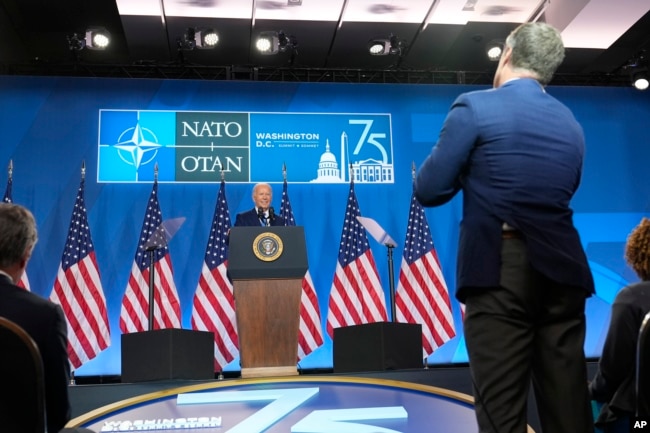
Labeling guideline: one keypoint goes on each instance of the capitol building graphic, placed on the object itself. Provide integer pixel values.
(365, 171)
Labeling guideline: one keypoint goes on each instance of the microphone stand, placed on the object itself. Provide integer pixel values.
(152, 285)
(159, 239)
(262, 217)
(271, 217)
(391, 281)
(383, 238)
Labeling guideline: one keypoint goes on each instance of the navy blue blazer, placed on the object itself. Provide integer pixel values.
(45, 323)
(516, 152)
(249, 218)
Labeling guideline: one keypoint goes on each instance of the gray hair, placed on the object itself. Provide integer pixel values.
(17, 233)
(537, 48)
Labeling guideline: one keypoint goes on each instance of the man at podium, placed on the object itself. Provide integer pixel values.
(266, 264)
(262, 213)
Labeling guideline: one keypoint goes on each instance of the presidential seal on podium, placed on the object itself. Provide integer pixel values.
(267, 246)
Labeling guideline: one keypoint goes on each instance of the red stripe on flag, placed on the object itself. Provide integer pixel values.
(77, 288)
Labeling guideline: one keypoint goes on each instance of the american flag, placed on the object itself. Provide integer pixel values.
(24, 281)
(78, 290)
(422, 295)
(310, 333)
(213, 307)
(356, 296)
(134, 314)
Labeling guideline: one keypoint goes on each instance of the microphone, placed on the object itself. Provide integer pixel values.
(261, 216)
(271, 215)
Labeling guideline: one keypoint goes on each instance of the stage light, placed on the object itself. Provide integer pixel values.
(385, 46)
(640, 80)
(494, 49)
(95, 38)
(266, 42)
(379, 47)
(198, 38)
(270, 43)
(637, 68)
(206, 38)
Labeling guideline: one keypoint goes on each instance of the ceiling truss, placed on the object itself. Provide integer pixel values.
(287, 74)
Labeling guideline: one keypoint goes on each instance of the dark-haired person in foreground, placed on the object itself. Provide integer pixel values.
(517, 153)
(41, 319)
(614, 383)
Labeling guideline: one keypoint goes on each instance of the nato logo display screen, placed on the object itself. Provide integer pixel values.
(190, 146)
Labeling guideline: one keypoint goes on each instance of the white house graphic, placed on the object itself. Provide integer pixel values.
(366, 171)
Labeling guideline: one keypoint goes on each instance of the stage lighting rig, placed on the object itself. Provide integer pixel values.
(392, 45)
(198, 38)
(95, 38)
(271, 42)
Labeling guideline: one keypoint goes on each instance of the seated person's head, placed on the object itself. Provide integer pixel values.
(637, 249)
(17, 238)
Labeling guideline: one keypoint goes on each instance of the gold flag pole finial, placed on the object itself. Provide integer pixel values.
(10, 169)
(83, 170)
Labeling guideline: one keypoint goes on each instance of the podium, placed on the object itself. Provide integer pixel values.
(267, 266)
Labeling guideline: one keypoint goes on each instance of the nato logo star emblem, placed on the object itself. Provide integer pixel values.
(137, 146)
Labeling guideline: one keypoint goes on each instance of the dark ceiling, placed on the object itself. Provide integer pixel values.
(332, 38)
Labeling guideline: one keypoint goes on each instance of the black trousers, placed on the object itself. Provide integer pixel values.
(529, 329)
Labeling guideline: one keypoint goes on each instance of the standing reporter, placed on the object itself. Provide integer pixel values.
(517, 154)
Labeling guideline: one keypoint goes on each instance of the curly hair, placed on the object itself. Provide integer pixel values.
(637, 249)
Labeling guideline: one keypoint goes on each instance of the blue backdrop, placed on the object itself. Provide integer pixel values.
(50, 125)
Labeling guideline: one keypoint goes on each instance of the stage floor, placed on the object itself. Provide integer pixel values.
(101, 395)
(297, 404)
(94, 404)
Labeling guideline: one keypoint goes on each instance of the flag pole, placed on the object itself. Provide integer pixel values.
(72, 380)
(223, 179)
(152, 268)
(10, 169)
(391, 281)
(425, 362)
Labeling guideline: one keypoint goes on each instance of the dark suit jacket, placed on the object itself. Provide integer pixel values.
(516, 153)
(249, 218)
(45, 323)
(614, 383)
